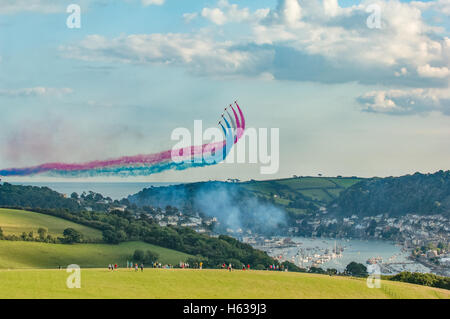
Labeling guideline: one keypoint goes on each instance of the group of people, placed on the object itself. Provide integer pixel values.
(130, 265)
(112, 267)
(159, 265)
(197, 265)
(183, 265)
(230, 267)
(277, 267)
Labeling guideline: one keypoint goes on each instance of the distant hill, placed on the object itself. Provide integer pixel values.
(265, 207)
(34, 197)
(423, 194)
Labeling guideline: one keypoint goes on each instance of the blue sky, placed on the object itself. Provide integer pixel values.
(348, 100)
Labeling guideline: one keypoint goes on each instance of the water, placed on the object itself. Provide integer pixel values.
(117, 190)
(354, 250)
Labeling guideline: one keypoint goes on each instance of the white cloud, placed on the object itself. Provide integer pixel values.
(35, 91)
(266, 76)
(341, 36)
(337, 33)
(428, 71)
(226, 13)
(407, 101)
(215, 15)
(440, 6)
(328, 43)
(199, 53)
(331, 7)
(289, 12)
(299, 40)
(152, 2)
(188, 17)
(43, 6)
(403, 71)
(54, 6)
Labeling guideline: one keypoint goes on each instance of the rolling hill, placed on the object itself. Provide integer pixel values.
(300, 195)
(321, 189)
(21, 254)
(18, 221)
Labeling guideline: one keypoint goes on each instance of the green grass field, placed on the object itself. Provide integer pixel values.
(21, 254)
(18, 221)
(194, 284)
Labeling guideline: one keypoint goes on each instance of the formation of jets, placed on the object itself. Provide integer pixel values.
(235, 102)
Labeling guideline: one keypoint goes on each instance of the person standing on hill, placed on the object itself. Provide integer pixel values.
(201, 265)
(136, 267)
(142, 267)
(115, 266)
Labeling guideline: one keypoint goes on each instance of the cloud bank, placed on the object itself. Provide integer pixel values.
(301, 40)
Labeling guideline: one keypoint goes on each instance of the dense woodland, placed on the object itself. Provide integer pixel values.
(421, 194)
(35, 197)
(430, 280)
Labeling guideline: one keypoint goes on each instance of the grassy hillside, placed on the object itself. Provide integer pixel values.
(301, 195)
(19, 254)
(18, 221)
(193, 284)
(323, 189)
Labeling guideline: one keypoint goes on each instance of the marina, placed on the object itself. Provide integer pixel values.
(330, 253)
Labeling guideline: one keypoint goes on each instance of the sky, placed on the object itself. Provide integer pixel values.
(348, 98)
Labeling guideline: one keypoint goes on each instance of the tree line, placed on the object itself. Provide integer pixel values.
(421, 194)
